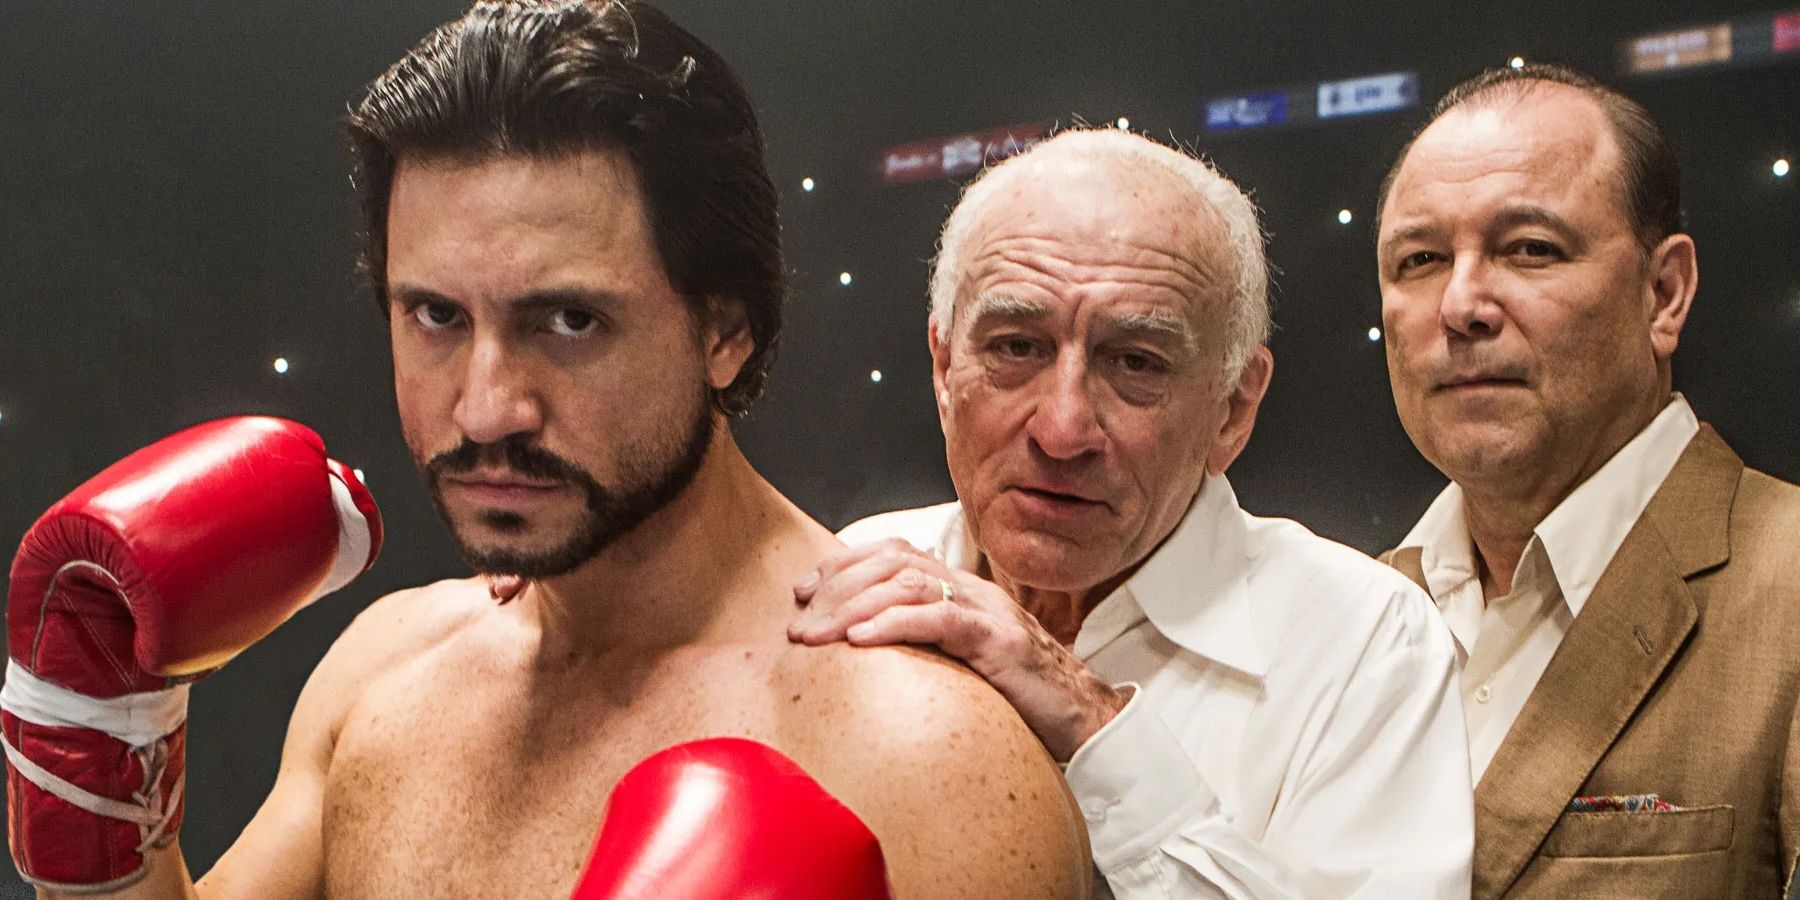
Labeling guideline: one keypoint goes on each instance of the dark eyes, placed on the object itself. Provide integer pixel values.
(1529, 251)
(436, 316)
(572, 322)
(1141, 363)
(1130, 362)
(1013, 348)
(1414, 260)
(1536, 250)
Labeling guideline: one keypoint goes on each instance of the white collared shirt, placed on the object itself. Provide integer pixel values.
(1295, 731)
(1505, 645)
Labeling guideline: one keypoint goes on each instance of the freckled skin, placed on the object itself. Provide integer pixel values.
(465, 767)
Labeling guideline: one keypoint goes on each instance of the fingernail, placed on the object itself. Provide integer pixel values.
(860, 631)
(806, 585)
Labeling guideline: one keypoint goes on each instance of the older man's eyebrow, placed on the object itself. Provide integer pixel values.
(1005, 306)
(1160, 324)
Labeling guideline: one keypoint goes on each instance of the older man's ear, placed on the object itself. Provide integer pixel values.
(940, 364)
(1240, 416)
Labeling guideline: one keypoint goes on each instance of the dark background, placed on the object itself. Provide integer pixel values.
(175, 214)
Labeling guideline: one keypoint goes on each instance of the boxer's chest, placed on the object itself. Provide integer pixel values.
(465, 784)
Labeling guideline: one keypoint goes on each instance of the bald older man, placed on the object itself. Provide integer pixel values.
(1245, 709)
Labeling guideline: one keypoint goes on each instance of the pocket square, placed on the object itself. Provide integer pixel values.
(1622, 803)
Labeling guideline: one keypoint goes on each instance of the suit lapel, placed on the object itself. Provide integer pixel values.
(1633, 626)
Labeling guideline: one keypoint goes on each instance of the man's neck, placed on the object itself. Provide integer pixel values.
(1060, 612)
(710, 566)
(1502, 510)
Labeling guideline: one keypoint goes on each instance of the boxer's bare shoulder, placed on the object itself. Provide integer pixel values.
(392, 634)
(281, 853)
(965, 800)
(397, 630)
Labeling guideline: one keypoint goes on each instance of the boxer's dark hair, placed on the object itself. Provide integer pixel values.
(1649, 178)
(544, 78)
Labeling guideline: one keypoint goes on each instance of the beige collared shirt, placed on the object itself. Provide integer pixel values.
(1506, 645)
(1295, 731)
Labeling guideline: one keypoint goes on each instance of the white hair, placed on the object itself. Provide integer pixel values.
(1247, 326)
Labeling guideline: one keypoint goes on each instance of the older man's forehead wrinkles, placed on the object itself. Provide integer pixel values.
(1194, 271)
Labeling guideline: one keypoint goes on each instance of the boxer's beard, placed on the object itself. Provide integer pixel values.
(651, 476)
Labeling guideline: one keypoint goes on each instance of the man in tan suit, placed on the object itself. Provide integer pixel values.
(1624, 593)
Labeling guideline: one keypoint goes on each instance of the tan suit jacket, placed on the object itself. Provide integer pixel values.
(1680, 678)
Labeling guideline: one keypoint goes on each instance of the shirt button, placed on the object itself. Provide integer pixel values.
(1094, 812)
(1483, 694)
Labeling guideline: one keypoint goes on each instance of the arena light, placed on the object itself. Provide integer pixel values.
(875, 375)
(1242, 111)
(1517, 62)
(807, 184)
(281, 365)
(1366, 95)
(1667, 51)
(1374, 335)
(957, 155)
(1124, 123)
(844, 279)
(1345, 217)
(1780, 168)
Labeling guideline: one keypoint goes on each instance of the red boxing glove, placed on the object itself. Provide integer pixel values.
(729, 819)
(152, 574)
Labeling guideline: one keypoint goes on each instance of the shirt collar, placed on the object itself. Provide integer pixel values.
(1579, 536)
(1446, 552)
(1584, 531)
(956, 547)
(1195, 587)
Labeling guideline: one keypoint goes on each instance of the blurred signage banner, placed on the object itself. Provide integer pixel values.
(1787, 32)
(1373, 94)
(1683, 49)
(1246, 111)
(962, 154)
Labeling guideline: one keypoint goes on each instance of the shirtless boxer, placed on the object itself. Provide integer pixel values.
(574, 239)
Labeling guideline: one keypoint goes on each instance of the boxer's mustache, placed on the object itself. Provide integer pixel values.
(513, 452)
